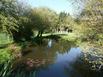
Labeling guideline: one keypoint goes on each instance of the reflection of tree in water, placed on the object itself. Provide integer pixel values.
(39, 57)
(28, 67)
(64, 46)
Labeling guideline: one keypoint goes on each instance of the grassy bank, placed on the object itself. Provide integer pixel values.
(5, 39)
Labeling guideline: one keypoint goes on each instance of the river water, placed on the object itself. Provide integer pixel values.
(53, 59)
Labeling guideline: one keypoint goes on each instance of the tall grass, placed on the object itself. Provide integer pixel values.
(5, 62)
(5, 69)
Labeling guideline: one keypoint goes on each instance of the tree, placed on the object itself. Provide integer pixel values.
(92, 16)
(43, 20)
(25, 29)
(25, 32)
(8, 15)
(65, 22)
(14, 20)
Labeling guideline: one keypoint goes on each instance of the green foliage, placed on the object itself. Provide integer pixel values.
(6, 69)
(14, 19)
(92, 19)
(24, 32)
(43, 20)
(64, 21)
(8, 15)
(5, 55)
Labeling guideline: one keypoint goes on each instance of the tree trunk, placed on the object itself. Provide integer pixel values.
(40, 34)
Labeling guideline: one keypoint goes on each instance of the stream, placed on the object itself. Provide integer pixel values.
(53, 59)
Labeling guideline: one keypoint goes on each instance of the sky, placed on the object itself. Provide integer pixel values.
(58, 5)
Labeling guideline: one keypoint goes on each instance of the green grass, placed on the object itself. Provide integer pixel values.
(48, 34)
(70, 37)
(5, 39)
(5, 55)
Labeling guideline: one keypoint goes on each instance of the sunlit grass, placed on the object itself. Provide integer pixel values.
(70, 37)
(5, 39)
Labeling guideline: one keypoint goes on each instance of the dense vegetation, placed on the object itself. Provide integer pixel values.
(21, 23)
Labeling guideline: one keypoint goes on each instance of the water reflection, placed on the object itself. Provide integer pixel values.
(50, 43)
(62, 62)
(50, 60)
(70, 56)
